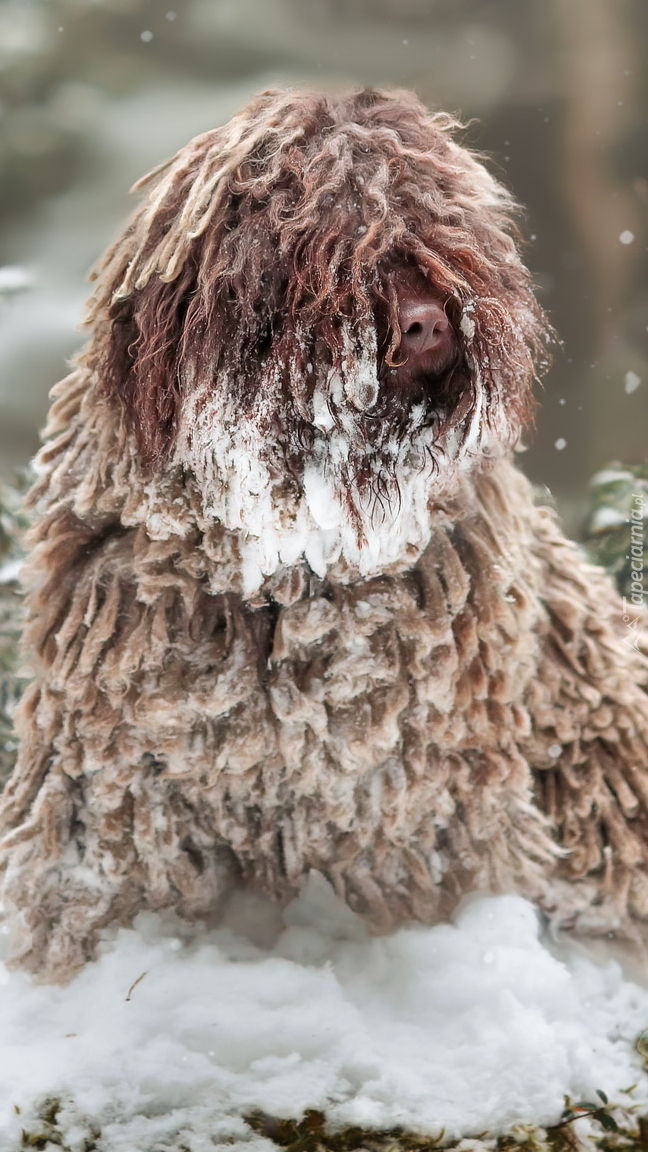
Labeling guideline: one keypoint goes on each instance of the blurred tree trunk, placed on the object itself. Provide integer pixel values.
(598, 60)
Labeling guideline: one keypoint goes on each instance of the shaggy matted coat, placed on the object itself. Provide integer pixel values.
(283, 617)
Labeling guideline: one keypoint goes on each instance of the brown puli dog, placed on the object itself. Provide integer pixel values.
(291, 606)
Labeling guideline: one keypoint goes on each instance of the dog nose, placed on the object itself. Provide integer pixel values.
(423, 325)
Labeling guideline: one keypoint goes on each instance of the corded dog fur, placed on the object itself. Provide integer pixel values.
(291, 605)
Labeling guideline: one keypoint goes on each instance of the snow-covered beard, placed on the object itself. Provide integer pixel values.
(347, 508)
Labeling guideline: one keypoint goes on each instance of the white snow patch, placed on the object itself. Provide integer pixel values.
(10, 571)
(609, 476)
(467, 324)
(631, 382)
(14, 279)
(607, 518)
(471, 1027)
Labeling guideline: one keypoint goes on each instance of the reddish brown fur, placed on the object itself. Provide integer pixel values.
(295, 242)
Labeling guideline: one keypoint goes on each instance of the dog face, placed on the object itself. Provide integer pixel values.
(319, 313)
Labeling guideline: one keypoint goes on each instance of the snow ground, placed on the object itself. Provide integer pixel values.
(470, 1027)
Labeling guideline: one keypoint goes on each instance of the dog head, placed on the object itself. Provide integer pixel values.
(319, 312)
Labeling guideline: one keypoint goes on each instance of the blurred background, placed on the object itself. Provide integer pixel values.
(95, 92)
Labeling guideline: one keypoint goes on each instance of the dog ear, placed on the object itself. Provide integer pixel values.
(140, 363)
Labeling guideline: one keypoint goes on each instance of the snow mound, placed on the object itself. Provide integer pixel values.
(173, 1036)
